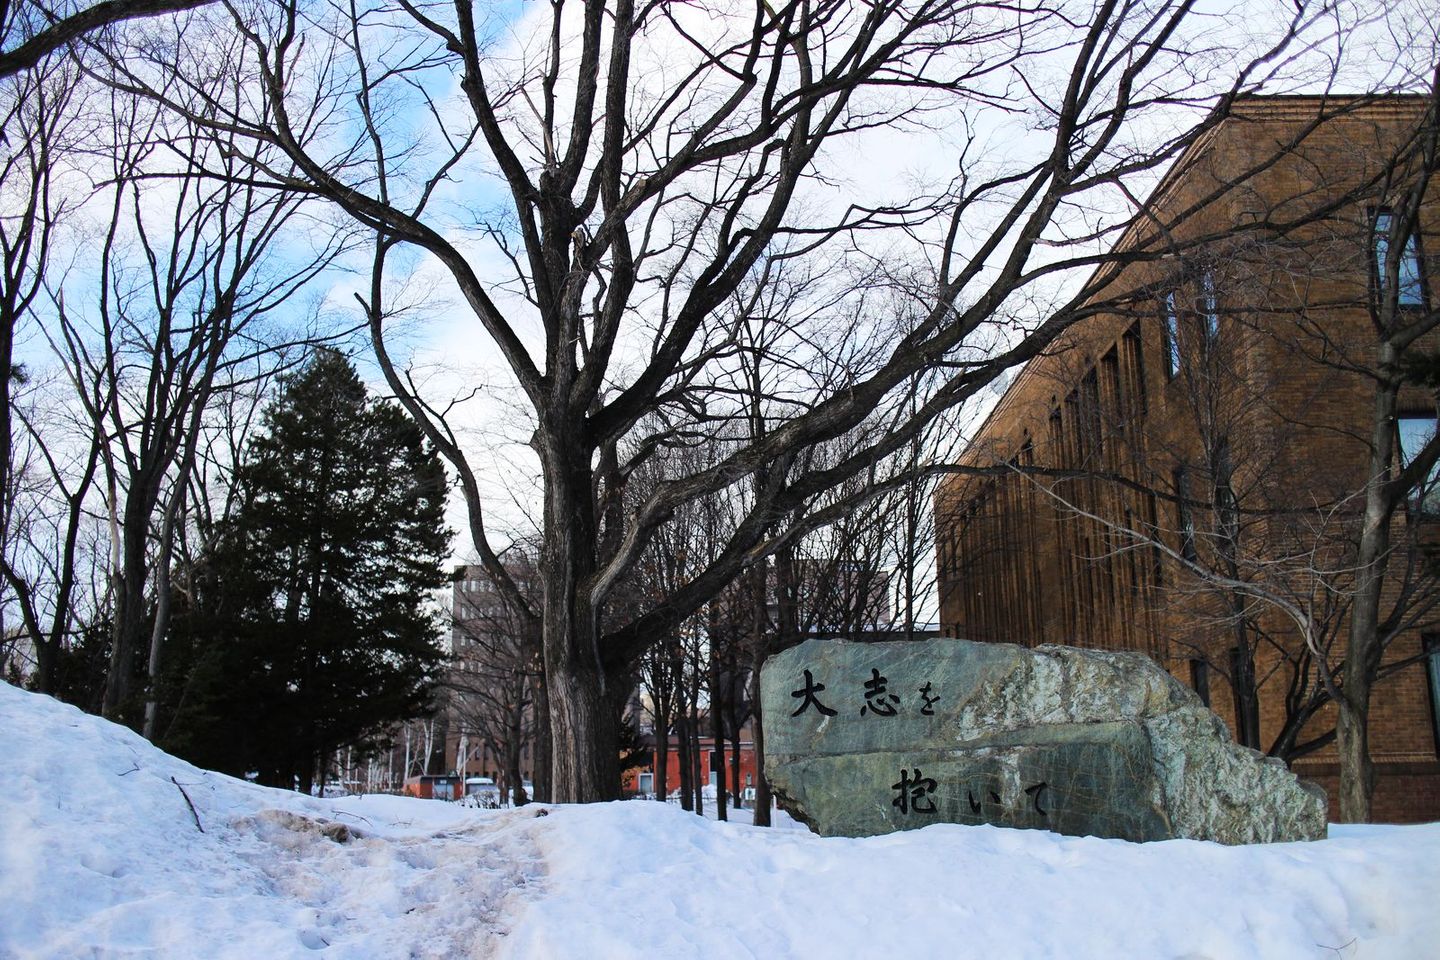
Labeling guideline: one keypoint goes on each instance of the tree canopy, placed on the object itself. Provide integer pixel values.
(312, 627)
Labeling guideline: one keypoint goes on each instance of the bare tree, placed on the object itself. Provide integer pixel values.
(175, 314)
(45, 483)
(652, 157)
(31, 31)
(1397, 329)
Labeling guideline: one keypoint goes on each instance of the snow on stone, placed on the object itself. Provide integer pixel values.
(100, 857)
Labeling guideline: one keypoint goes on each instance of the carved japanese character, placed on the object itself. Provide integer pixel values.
(877, 701)
(913, 793)
(929, 708)
(809, 699)
(1035, 792)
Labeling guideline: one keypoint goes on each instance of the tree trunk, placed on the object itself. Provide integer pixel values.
(759, 649)
(1352, 740)
(736, 787)
(718, 769)
(585, 765)
(1242, 666)
(518, 797)
(697, 761)
(542, 750)
(129, 624)
(157, 638)
(585, 761)
(1362, 650)
(911, 535)
(662, 759)
(1247, 693)
(45, 661)
(760, 812)
(429, 746)
(7, 370)
(717, 723)
(162, 615)
(682, 753)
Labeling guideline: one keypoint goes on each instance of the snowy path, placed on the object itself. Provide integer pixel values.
(100, 857)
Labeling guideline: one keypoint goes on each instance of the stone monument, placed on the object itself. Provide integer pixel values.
(869, 738)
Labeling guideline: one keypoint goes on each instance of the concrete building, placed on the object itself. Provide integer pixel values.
(490, 690)
(1178, 474)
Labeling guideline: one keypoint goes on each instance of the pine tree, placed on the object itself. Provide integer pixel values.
(310, 623)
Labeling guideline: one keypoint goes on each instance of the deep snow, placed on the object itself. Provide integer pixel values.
(100, 857)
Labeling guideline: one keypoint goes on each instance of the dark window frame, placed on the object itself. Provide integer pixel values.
(1207, 303)
(1114, 387)
(1184, 518)
(1431, 647)
(1243, 719)
(1170, 333)
(1135, 363)
(1424, 499)
(1200, 678)
(1091, 414)
(1379, 252)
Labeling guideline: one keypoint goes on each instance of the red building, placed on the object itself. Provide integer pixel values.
(642, 781)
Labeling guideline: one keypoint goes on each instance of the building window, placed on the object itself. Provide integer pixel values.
(1152, 523)
(1091, 420)
(1135, 367)
(1227, 510)
(1412, 292)
(1114, 392)
(1432, 673)
(1209, 304)
(1246, 722)
(1200, 679)
(1184, 519)
(1132, 554)
(1415, 431)
(1170, 333)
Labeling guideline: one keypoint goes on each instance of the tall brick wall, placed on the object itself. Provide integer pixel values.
(1215, 410)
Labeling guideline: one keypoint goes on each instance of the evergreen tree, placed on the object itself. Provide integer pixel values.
(310, 624)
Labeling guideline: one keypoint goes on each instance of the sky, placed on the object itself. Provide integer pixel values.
(438, 340)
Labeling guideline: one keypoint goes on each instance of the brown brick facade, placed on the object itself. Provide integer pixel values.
(1177, 475)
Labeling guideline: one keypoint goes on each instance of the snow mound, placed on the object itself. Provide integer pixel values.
(100, 856)
(636, 879)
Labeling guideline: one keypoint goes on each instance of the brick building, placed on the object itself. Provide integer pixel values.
(739, 768)
(1178, 474)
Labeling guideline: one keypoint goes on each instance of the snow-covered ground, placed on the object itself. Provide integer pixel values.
(100, 856)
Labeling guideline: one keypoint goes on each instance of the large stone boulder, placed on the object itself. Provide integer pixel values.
(869, 738)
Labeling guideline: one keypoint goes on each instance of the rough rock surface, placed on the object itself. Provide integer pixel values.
(869, 738)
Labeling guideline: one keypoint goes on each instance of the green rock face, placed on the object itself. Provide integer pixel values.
(869, 738)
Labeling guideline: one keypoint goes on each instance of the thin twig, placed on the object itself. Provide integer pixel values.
(188, 804)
